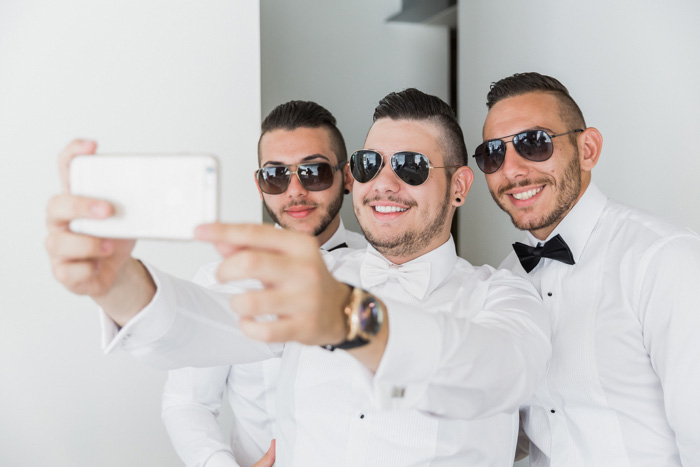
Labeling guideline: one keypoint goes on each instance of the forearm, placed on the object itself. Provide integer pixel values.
(132, 290)
(668, 309)
(187, 325)
(370, 355)
(195, 433)
(464, 367)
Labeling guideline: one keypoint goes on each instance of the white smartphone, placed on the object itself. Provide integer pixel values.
(154, 196)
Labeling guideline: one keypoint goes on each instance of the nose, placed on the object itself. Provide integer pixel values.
(386, 180)
(514, 165)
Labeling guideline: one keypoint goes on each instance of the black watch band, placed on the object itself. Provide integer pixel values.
(345, 345)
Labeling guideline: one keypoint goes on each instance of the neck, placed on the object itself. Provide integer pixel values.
(332, 228)
(405, 258)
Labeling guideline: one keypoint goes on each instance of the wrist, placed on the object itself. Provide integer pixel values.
(133, 288)
(363, 315)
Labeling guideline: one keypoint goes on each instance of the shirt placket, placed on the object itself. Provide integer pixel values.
(550, 288)
(362, 421)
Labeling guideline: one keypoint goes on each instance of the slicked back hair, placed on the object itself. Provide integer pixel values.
(523, 83)
(412, 104)
(304, 114)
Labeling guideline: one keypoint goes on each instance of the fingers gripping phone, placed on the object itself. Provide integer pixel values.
(154, 196)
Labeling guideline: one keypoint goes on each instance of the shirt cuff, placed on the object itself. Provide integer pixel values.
(414, 342)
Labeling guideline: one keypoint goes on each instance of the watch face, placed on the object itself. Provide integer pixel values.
(371, 315)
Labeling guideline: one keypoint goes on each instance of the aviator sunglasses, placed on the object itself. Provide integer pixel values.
(411, 167)
(317, 176)
(533, 145)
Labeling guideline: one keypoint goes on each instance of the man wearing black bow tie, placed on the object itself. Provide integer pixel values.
(374, 343)
(622, 288)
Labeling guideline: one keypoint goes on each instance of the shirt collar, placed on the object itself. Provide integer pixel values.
(337, 238)
(442, 261)
(578, 224)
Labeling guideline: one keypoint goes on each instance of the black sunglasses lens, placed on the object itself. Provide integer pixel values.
(490, 155)
(315, 177)
(534, 145)
(412, 168)
(364, 165)
(274, 180)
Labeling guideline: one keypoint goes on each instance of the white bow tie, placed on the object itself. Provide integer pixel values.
(414, 277)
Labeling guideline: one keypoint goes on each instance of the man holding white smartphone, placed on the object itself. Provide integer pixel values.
(437, 355)
(302, 179)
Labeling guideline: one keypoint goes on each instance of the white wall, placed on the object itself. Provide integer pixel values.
(161, 75)
(633, 67)
(345, 56)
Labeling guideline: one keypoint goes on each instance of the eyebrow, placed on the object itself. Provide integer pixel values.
(312, 157)
(537, 127)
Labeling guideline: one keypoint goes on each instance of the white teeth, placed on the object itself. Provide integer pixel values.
(527, 194)
(385, 209)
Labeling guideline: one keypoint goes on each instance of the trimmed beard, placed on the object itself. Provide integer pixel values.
(332, 211)
(570, 188)
(406, 243)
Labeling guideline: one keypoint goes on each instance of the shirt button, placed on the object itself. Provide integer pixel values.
(549, 294)
(362, 415)
(553, 411)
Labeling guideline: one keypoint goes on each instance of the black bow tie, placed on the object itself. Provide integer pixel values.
(556, 248)
(342, 245)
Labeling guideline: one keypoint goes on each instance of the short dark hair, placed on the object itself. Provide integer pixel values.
(412, 104)
(523, 83)
(304, 114)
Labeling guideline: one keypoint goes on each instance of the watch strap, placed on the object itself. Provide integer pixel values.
(346, 345)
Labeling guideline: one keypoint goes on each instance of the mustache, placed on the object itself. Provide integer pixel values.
(390, 198)
(303, 203)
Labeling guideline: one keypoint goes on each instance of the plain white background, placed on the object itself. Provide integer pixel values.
(152, 76)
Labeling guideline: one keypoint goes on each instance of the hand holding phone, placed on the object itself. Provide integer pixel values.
(154, 196)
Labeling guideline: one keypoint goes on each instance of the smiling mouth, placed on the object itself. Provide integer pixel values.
(525, 195)
(387, 209)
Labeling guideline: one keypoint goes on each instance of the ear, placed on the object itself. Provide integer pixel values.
(348, 181)
(460, 184)
(257, 185)
(590, 143)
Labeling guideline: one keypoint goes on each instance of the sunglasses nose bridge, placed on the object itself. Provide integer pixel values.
(385, 176)
(295, 187)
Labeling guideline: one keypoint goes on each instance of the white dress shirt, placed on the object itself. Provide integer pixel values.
(623, 382)
(352, 239)
(192, 397)
(471, 350)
